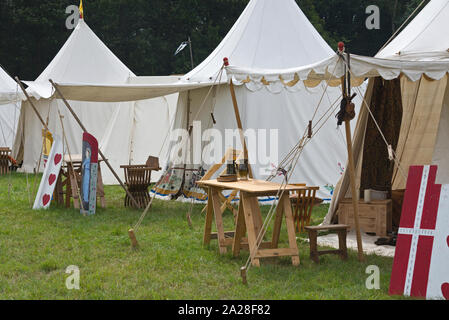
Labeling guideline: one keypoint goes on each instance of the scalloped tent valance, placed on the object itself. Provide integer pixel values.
(332, 69)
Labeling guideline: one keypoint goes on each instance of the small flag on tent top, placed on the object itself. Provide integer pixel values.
(81, 10)
(181, 47)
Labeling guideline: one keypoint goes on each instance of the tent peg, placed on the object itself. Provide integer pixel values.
(243, 275)
(133, 238)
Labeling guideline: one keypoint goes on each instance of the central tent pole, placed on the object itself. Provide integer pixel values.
(99, 151)
(355, 200)
(239, 120)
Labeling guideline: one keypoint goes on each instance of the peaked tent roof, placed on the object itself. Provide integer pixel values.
(8, 90)
(256, 42)
(424, 38)
(82, 48)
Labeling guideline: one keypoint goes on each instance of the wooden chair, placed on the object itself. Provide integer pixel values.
(303, 202)
(138, 180)
(4, 160)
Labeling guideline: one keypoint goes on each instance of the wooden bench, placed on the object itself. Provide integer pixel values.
(4, 160)
(138, 180)
(341, 230)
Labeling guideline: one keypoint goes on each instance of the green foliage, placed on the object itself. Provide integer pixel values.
(144, 34)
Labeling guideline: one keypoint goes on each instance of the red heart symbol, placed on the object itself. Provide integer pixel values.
(447, 240)
(445, 290)
(52, 179)
(46, 199)
(58, 159)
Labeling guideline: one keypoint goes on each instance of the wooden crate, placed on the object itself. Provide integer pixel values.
(374, 217)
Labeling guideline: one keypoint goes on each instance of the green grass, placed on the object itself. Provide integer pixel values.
(36, 247)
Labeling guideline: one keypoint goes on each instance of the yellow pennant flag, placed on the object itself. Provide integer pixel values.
(81, 10)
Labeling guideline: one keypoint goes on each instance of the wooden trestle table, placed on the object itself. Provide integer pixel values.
(249, 219)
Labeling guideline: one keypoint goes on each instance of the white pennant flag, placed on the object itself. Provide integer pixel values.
(181, 47)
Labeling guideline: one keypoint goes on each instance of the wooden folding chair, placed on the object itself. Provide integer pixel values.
(303, 202)
(138, 180)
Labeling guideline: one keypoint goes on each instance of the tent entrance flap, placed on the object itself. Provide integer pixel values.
(386, 106)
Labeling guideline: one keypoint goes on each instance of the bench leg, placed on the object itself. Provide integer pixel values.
(313, 235)
(342, 244)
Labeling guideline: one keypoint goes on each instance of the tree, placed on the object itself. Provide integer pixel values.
(144, 34)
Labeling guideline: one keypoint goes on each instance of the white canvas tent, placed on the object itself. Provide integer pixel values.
(9, 109)
(127, 132)
(423, 137)
(268, 34)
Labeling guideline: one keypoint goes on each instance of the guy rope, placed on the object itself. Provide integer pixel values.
(287, 166)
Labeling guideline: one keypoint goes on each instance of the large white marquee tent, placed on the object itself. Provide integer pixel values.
(127, 132)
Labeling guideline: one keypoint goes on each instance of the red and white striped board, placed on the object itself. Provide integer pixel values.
(51, 173)
(421, 261)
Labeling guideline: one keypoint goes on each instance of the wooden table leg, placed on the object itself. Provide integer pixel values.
(290, 228)
(250, 225)
(218, 220)
(209, 218)
(239, 231)
(277, 225)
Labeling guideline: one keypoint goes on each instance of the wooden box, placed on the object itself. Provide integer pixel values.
(374, 217)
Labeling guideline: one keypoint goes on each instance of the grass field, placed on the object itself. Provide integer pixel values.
(36, 247)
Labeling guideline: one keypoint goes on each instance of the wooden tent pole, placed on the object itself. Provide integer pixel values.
(355, 200)
(239, 121)
(99, 151)
(31, 103)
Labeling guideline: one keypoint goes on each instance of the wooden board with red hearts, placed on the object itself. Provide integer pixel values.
(421, 261)
(51, 173)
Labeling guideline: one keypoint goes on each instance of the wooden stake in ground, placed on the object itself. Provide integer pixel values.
(355, 201)
(99, 151)
(243, 275)
(133, 238)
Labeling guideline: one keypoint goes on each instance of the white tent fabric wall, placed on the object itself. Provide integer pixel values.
(97, 117)
(323, 158)
(9, 118)
(153, 121)
(9, 109)
(287, 114)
